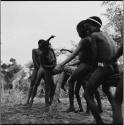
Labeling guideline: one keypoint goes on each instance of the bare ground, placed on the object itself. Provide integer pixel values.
(20, 114)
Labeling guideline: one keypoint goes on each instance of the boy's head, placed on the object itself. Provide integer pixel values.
(40, 42)
(43, 44)
(81, 29)
(93, 23)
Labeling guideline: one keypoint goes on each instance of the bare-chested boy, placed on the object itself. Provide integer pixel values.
(103, 50)
(87, 64)
(38, 72)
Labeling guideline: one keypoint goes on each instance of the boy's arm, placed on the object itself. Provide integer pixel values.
(75, 63)
(52, 36)
(55, 60)
(72, 55)
(94, 48)
(119, 52)
(66, 50)
(34, 58)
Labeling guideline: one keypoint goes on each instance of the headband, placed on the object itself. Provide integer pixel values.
(95, 21)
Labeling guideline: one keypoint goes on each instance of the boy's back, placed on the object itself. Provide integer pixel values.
(106, 48)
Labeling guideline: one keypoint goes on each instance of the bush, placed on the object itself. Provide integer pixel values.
(12, 97)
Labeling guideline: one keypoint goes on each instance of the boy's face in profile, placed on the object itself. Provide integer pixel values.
(40, 45)
(45, 45)
(89, 27)
(81, 32)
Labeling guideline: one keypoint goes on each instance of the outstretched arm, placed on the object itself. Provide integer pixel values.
(59, 67)
(66, 50)
(72, 55)
(75, 63)
(52, 36)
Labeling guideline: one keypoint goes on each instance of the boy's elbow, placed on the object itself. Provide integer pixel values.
(33, 50)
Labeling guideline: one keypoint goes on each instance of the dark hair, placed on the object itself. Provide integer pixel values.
(41, 41)
(95, 21)
(81, 29)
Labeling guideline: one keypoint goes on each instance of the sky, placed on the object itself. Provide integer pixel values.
(23, 23)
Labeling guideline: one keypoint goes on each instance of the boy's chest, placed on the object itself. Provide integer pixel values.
(49, 55)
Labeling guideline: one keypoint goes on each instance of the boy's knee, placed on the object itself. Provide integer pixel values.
(71, 80)
(76, 93)
(87, 94)
(118, 99)
(47, 88)
(32, 84)
(97, 95)
(104, 88)
(36, 85)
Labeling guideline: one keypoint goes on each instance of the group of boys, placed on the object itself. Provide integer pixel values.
(94, 47)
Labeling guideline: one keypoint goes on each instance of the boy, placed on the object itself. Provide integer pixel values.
(39, 70)
(103, 50)
(87, 63)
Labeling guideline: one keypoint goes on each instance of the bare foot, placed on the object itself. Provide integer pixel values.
(30, 104)
(79, 110)
(26, 104)
(70, 109)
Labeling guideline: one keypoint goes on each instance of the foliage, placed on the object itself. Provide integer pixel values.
(12, 97)
(21, 81)
(9, 70)
(114, 14)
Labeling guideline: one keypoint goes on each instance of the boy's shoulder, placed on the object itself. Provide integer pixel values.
(37, 51)
(85, 41)
(95, 34)
(51, 49)
(34, 49)
(87, 38)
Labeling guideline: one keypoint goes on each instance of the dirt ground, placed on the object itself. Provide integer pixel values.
(20, 114)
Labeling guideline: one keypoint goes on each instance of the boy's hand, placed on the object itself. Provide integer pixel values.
(52, 36)
(112, 60)
(59, 67)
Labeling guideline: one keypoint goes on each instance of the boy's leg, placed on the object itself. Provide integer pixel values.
(34, 75)
(77, 89)
(80, 72)
(64, 80)
(84, 83)
(111, 81)
(40, 75)
(97, 96)
(97, 78)
(48, 87)
(106, 90)
(52, 88)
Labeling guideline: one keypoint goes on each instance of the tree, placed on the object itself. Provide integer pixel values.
(114, 14)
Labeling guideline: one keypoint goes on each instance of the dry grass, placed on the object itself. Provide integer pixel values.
(12, 97)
